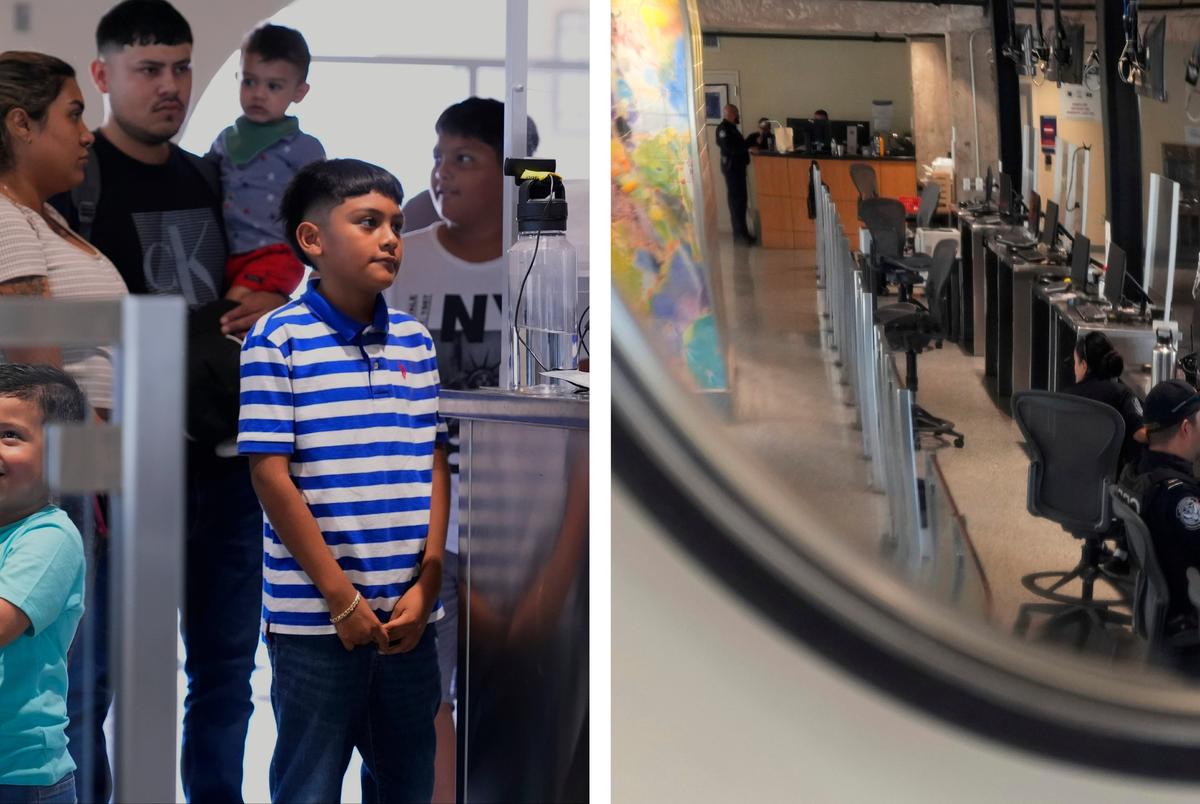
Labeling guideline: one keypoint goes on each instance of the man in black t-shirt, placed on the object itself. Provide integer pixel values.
(763, 139)
(735, 158)
(158, 218)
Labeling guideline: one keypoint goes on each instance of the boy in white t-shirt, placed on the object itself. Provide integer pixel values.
(453, 282)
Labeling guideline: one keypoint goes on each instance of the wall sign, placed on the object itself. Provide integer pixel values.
(1049, 133)
(1076, 102)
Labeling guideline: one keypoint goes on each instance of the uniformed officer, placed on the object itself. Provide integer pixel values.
(735, 158)
(1162, 488)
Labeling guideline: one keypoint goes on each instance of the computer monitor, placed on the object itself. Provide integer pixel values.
(810, 136)
(1070, 71)
(1004, 199)
(823, 134)
(1114, 277)
(1050, 225)
(839, 131)
(1080, 257)
(1034, 212)
(1024, 37)
(1153, 83)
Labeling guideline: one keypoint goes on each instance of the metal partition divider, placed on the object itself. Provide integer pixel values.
(954, 573)
(885, 406)
(145, 477)
(147, 583)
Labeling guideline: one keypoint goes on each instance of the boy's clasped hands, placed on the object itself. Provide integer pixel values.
(399, 634)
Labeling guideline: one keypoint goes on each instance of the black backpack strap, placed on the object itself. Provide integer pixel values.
(86, 198)
(208, 167)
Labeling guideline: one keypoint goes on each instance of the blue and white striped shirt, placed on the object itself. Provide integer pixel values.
(356, 408)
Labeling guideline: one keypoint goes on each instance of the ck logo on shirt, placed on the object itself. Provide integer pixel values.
(183, 252)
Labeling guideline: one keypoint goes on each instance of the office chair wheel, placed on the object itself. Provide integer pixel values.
(958, 442)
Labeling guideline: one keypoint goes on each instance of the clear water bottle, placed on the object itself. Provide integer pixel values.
(542, 292)
(1162, 363)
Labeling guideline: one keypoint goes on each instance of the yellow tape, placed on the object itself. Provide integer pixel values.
(539, 174)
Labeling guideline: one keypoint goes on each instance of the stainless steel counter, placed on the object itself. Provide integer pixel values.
(523, 591)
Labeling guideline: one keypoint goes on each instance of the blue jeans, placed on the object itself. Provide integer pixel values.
(61, 792)
(328, 701)
(221, 613)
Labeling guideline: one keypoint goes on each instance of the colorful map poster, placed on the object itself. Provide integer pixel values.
(660, 205)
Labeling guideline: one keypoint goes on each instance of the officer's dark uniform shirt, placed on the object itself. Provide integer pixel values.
(735, 156)
(1117, 396)
(1173, 519)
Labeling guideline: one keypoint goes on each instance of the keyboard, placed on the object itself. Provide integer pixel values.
(1018, 242)
(1090, 312)
(1037, 257)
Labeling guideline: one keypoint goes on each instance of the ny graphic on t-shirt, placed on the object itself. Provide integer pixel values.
(183, 252)
(466, 333)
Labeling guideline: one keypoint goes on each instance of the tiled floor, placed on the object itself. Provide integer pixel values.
(788, 409)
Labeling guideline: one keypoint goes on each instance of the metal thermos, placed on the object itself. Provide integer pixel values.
(1162, 361)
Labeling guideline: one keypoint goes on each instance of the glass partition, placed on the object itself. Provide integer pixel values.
(1162, 229)
(817, 481)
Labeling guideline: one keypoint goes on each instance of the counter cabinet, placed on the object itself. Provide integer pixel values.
(781, 194)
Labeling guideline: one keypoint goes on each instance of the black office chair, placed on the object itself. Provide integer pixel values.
(865, 182)
(884, 219)
(929, 203)
(912, 327)
(1151, 594)
(1074, 444)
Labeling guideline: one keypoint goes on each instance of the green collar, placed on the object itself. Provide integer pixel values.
(246, 139)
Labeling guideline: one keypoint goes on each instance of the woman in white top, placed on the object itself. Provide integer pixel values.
(43, 151)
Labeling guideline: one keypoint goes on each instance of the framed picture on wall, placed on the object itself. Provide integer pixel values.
(715, 98)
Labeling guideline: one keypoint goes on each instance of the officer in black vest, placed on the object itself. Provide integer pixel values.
(1165, 492)
(735, 158)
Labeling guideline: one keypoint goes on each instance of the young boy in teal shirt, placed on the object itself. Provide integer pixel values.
(41, 590)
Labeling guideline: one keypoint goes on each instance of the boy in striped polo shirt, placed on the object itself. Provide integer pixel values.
(340, 419)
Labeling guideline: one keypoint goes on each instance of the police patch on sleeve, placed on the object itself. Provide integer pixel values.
(1188, 513)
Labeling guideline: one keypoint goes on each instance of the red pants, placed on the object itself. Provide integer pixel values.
(274, 269)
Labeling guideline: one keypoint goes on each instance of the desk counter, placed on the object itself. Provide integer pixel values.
(781, 193)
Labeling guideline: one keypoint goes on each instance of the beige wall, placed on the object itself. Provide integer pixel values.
(931, 98)
(963, 111)
(1046, 102)
(783, 78)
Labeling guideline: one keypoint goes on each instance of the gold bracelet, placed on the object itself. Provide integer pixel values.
(348, 611)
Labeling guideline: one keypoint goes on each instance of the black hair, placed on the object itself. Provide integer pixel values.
(1103, 360)
(820, 112)
(328, 183)
(1163, 435)
(142, 22)
(483, 119)
(29, 81)
(277, 43)
(53, 390)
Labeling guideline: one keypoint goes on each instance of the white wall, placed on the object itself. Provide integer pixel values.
(67, 29)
